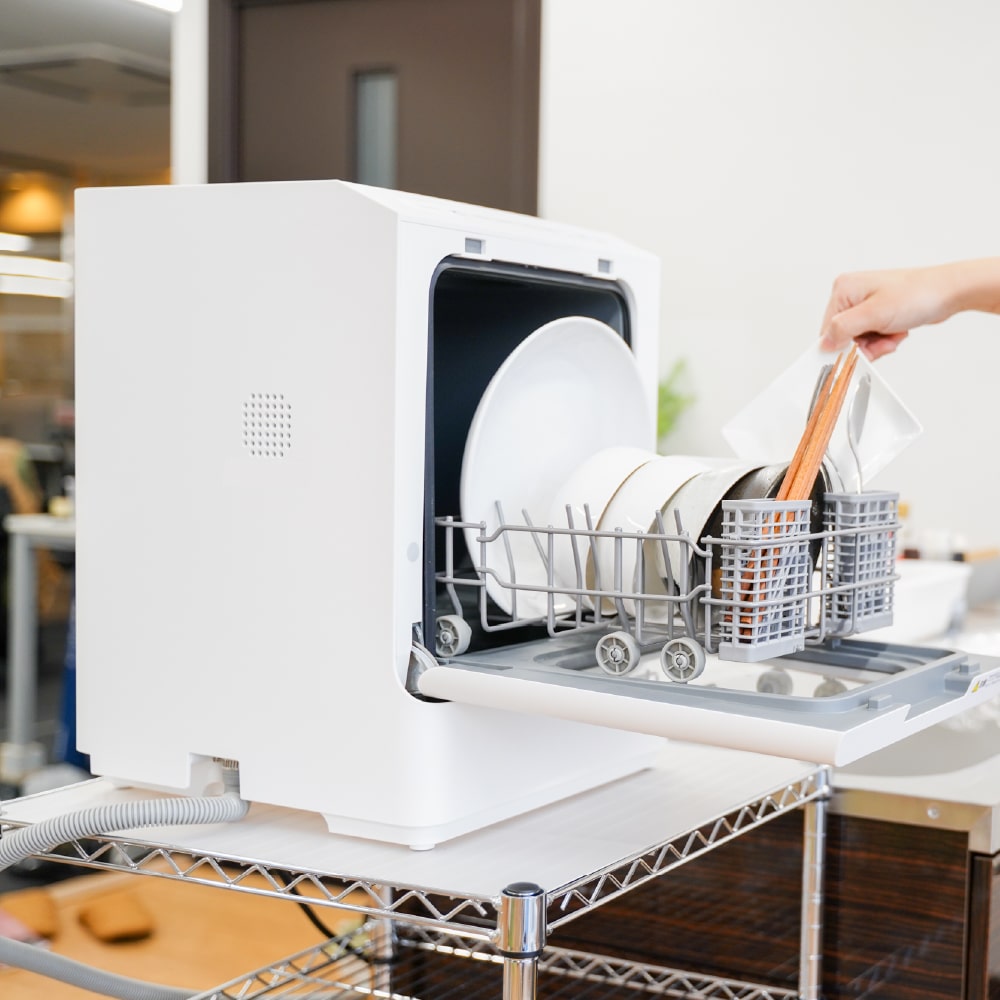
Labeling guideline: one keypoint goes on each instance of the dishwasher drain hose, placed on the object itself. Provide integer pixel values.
(16, 845)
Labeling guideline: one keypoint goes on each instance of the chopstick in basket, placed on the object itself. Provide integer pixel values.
(808, 458)
(805, 464)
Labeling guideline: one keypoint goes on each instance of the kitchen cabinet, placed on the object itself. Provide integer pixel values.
(984, 924)
(911, 898)
(894, 921)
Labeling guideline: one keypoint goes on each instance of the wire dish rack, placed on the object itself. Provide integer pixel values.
(767, 585)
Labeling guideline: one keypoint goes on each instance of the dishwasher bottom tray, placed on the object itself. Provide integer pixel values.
(830, 703)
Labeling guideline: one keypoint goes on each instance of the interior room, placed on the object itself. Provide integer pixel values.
(428, 511)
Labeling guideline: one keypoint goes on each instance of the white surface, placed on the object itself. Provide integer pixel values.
(570, 389)
(246, 606)
(928, 598)
(42, 527)
(771, 146)
(768, 428)
(946, 776)
(553, 846)
(189, 94)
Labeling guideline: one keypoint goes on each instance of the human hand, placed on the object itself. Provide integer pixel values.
(879, 308)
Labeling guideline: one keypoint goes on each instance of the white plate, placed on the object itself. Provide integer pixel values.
(568, 390)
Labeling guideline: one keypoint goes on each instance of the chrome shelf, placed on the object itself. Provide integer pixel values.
(462, 899)
(347, 967)
(470, 913)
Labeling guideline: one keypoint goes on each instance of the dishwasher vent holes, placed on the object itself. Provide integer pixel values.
(267, 425)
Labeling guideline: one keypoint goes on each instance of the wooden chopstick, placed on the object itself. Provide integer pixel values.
(812, 460)
(800, 477)
(805, 465)
(810, 429)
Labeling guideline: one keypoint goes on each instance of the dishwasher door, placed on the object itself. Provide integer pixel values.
(831, 703)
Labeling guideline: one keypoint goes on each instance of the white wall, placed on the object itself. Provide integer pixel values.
(189, 94)
(762, 147)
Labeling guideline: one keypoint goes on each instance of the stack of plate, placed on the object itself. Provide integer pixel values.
(569, 391)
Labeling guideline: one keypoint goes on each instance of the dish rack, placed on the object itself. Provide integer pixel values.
(767, 585)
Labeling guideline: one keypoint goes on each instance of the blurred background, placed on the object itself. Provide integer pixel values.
(84, 100)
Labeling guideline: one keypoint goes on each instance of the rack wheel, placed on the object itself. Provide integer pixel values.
(829, 687)
(452, 635)
(617, 653)
(682, 659)
(777, 681)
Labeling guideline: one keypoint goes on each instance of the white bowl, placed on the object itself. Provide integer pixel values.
(695, 501)
(588, 491)
(633, 510)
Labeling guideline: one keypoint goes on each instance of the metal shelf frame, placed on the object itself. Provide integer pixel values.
(342, 969)
(510, 930)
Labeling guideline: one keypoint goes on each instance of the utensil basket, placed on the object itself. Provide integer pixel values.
(860, 560)
(765, 572)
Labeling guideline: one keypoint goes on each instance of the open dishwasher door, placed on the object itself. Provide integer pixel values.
(751, 637)
(830, 704)
(589, 579)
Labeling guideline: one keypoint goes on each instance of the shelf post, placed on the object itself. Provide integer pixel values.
(383, 942)
(813, 861)
(521, 938)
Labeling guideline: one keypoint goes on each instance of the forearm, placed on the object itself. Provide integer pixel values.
(973, 285)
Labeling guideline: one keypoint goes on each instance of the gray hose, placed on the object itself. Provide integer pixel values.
(38, 838)
(16, 845)
(66, 970)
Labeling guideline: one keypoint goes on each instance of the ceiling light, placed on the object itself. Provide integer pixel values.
(32, 203)
(172, 6)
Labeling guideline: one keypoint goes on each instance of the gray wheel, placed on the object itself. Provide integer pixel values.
(777, 681)
(452, 635)
(829, 687)
(617, 653)
(682, 659)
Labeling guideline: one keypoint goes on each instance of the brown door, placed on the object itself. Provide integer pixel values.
(439, 97)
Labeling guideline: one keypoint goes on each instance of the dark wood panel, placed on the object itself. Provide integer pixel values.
(984, 928)
(733, 912)
(281, 92)
(896, 910)
(894, 916)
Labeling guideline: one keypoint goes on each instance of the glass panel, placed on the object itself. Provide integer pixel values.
(375, 125)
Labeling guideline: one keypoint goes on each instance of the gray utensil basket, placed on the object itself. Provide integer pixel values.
(765, 577)
(860, 560)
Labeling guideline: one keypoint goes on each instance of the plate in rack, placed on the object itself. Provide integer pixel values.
(568, 390)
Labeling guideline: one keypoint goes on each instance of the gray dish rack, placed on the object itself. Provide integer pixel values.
(766, 586)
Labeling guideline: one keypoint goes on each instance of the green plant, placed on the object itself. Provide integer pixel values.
(672, 400)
